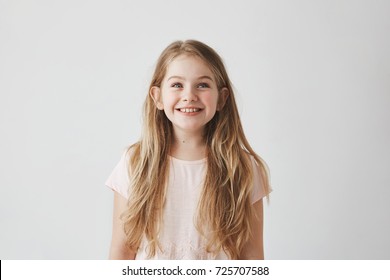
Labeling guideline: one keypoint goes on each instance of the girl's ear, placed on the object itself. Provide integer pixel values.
(223, 96)
(155, 93)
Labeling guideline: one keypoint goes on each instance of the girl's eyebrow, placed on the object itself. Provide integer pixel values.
(182, 78)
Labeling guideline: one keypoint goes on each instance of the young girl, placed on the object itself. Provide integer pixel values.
(192, 187)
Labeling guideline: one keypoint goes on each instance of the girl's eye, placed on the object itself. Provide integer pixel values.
(203, 85)
(177, 85)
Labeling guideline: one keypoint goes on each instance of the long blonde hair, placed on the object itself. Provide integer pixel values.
(224, 207)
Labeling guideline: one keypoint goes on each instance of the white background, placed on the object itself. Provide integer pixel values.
(312, 79)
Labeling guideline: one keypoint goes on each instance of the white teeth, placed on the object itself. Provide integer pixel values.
(189, 110)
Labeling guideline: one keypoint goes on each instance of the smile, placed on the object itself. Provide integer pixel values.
(189, 110)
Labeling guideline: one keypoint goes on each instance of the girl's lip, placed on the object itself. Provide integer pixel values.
(192, 112)
(189, 108)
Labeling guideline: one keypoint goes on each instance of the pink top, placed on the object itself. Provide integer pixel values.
(178, 236)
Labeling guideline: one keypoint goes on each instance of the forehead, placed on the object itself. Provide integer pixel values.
(189, 66)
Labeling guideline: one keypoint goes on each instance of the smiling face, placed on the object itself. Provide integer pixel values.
(188, 94)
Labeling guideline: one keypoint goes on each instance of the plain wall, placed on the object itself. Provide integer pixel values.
(312, 80)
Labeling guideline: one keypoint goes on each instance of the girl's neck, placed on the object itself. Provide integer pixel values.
(188, 146)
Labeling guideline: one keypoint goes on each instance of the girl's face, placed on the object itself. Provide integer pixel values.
(188, 94)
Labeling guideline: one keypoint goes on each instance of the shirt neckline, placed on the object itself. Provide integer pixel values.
(182, 161)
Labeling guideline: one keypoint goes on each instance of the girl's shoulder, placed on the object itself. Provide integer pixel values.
(119, 179)
(130, 151)
(261, 186)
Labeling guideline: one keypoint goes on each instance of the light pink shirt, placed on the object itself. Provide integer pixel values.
(178, 236)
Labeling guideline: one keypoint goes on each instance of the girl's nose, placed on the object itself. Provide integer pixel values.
(189, 95)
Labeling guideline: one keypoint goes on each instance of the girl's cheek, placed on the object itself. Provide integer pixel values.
(210, 98)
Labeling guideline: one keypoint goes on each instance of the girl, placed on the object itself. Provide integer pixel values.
(192, 187)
